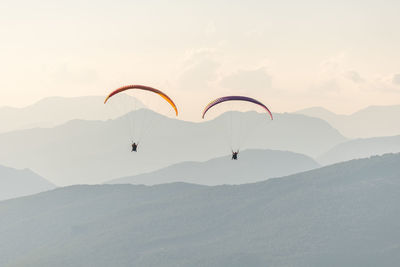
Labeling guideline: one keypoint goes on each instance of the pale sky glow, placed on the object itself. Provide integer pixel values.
(343, 55)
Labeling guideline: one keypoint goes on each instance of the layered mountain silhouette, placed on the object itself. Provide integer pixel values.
(361, 148)
(252, 166)
(369, 122)
(53, 111)
(97, 151)
(16, 183)
(340, 215)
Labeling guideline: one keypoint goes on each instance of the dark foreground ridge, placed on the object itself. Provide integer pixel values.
(341, 215)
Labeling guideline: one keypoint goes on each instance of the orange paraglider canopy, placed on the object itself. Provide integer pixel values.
(146, 88)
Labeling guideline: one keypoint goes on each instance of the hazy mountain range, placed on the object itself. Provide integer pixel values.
(96, 151)
(372, 121)
(341, 215)
(361, 148)
(17, 183)
(369, 122)
(53, 111)
(253, 166)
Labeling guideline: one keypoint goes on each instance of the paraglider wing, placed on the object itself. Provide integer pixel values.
(235, 98)
(146, 88)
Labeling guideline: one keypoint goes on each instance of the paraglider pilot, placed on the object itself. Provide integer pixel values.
(134, 147)
(235, 155)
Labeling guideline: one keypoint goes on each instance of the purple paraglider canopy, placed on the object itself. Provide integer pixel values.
(235, 98)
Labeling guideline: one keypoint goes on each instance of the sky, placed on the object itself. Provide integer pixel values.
(342, 55)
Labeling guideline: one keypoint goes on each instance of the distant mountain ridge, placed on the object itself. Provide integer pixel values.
(345, 214)
(97, 151)
(53, 111)
(369, 122)
(252, 166)
(361, 148)
(16, 183)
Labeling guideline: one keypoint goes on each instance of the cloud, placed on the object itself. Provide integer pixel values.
(210, 28)
(199, 70)
(385, 84)
(199, 75)
(69, 75)
(330, 86)
(193, 56)
(353, 76)
(257, 79)
(396, 79)
(332, 65)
